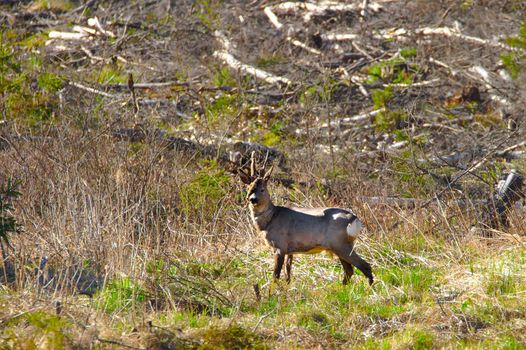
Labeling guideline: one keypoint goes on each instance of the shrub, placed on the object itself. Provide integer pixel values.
(201, 197)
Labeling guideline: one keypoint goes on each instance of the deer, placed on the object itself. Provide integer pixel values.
(289, 230)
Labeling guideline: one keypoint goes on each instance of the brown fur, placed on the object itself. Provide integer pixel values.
(304, 230)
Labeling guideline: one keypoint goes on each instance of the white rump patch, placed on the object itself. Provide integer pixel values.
(354, 228)
(340, 215)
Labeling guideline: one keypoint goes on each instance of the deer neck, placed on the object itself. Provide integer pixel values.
(263, 218)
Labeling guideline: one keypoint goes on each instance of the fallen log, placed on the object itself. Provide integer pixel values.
(230, 157)
(507, 193)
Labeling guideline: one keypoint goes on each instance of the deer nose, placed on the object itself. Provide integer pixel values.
(252, 198)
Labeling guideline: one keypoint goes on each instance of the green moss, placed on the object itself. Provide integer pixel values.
(34, 41)
(223, 78)
(232, 337)
(275, 135)
(422, 340)
(53, 5)
(222, 109)
(270, 60)
(49, 82)
(393, 71)
(515, 62)
(35, 330)
(207, 11)
(408, 52)
(111, 74)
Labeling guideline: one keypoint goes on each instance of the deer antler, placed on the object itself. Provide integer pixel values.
(253, 164)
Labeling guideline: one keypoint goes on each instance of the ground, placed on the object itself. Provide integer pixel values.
(120, 134)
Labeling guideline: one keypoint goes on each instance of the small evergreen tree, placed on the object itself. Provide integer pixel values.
(8, 224)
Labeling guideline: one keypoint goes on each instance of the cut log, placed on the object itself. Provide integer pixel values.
(508, 191)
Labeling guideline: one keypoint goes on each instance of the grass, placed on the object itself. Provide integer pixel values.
(400, 310)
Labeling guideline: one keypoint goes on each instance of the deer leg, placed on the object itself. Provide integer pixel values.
(279, 258)
(362, 265)
(288, 267)
(348, 271)
(351, 257)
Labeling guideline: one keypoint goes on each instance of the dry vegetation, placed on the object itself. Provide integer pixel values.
(132, 232)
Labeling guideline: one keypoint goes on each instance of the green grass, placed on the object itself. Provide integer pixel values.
(37, 329)
(120, 294)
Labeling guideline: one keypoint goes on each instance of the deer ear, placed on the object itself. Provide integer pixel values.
(269, 172)
(247, 180)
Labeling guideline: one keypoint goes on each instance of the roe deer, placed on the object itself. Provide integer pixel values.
(303, 230)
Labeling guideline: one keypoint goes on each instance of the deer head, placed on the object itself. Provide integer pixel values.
(257, 193)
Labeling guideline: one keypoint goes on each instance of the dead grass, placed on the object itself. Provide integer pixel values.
(159, 278)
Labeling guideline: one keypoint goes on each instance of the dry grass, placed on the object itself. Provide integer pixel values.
(107, 214)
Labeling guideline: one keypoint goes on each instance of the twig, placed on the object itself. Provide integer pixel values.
(272, 17)
(275, 21)
(247, 69)
(94, 22)
(132, 91)
(362, 51)
(149, 85)
(363, 13)
(444, 65)
(303, 46)
(354, 119)
(261, 320)
(80, 8)
(511, 148)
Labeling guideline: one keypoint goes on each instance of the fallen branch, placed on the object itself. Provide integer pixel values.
(303, 46)
(272, 17)
(275, 21)
(507, 192)
(92, 90)
(230, 60)
(354, 119)
(321, 8)
(67, 36)
(455, 33)
(94, 22)
(149, 85)
(452, 71)
(343, 123)
(489, 84)
(238, 155)
(505, 152)
(402, 33)
(425, 83)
